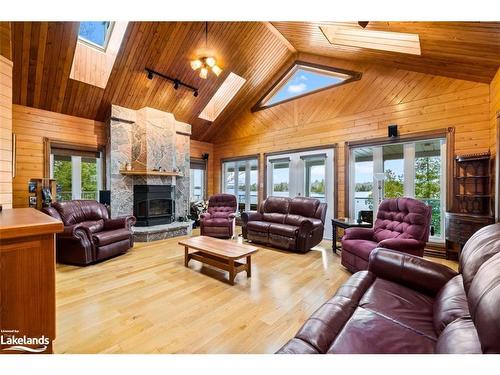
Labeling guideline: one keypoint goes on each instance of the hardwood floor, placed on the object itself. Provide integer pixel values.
(146, 301)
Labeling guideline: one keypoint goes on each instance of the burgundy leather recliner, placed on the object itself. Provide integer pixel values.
(89, 234)
(402, 224)
(294, 224)
(407, 304)
(219, 220)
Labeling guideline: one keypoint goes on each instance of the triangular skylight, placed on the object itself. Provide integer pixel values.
(302, 79)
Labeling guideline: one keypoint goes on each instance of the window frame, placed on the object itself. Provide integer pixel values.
(89, 43)
(199, 164)
(283, 79)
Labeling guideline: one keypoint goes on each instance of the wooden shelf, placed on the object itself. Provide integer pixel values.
(149, 173)
(473, 195)
(465, 177)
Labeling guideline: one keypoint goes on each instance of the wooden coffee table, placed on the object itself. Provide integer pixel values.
(222, 254)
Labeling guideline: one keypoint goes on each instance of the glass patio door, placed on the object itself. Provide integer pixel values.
(412, 169)
(240, 178)
(307, 174)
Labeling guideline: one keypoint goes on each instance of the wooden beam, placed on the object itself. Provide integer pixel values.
(280, 36)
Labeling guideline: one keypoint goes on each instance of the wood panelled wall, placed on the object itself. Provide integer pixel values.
(5, 132)
(5, 40)
(361, 110)
(197, 150)
(494, 109)
(31, 125)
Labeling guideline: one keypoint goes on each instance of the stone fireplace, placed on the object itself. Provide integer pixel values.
(147, 140)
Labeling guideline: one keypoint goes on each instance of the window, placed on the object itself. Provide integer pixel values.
(95, 33)
(307, 173)
(302, 79)
(410, 169)
(224, 94)
(197, 180)
(77, 174)
(240, 177)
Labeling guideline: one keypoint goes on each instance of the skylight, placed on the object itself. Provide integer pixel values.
(96, 33)
(224, 94)
(303, 79)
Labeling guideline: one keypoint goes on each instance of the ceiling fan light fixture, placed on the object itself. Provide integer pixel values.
(196, 64)
(203, 73)
(210, 61)
(217, 71)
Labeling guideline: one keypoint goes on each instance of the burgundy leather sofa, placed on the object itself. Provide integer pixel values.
(294, 224)
(406, 304)
(219, 220)
(89, 234)
(402, 224)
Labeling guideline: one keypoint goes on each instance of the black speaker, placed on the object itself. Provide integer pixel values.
(392, 131)
(105, 197)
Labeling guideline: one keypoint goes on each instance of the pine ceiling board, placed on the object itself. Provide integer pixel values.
(458, 50)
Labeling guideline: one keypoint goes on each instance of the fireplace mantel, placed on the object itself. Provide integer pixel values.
(143, 172)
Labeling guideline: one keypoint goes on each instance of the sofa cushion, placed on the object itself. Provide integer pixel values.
(277, 205)
(369, 333)
(362, 248)
(459, 337)
(450, 304)
(405, 306)
(221, 215)
(303, 206)
(217, 222)
(224, 203)
(258, 226)
(273, 217)
(110, 236)
(76, 211)
(283, 229)
(94, 225)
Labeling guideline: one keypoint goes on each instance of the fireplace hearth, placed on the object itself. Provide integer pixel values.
(154, 204)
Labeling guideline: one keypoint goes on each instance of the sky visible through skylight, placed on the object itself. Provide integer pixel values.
(302, 82)
(94, 32)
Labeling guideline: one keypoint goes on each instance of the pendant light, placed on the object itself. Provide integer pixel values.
(206, 63)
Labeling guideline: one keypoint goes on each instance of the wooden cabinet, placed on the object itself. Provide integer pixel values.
(27, 280)
(472, 206)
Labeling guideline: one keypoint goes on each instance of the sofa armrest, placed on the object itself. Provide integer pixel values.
(205, 216)
(76, 232)
(250, 216)
(405, 245)
(305, 227)
(358, 234)
(119, 222)
(411, 271)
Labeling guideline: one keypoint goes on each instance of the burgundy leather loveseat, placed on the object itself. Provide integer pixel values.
(89, 234)
(406, 304)
(219, 220)
(294, 224)
(402, 224)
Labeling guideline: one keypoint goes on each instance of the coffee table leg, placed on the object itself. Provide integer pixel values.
(249, 266)
(232, 272)
(186, 256)
(334, 239)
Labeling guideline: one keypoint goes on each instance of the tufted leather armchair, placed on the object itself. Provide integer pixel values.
(402, 224)
(89, 234)
(294, 224)
(219, 220)
(407, 304)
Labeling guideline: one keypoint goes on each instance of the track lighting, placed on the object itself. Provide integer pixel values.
(177, 82)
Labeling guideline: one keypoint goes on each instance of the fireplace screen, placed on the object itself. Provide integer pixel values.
(154, 204)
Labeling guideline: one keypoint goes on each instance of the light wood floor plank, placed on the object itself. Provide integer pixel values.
(146, 301)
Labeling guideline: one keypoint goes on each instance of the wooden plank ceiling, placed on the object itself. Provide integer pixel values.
(43, 54)
(464, 50)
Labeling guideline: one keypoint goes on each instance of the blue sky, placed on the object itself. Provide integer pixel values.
(301, 82)
(94, 32)
(364, 170)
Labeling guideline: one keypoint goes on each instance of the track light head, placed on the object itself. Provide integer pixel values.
(195, 93)
(176, 84)
(150, 74)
